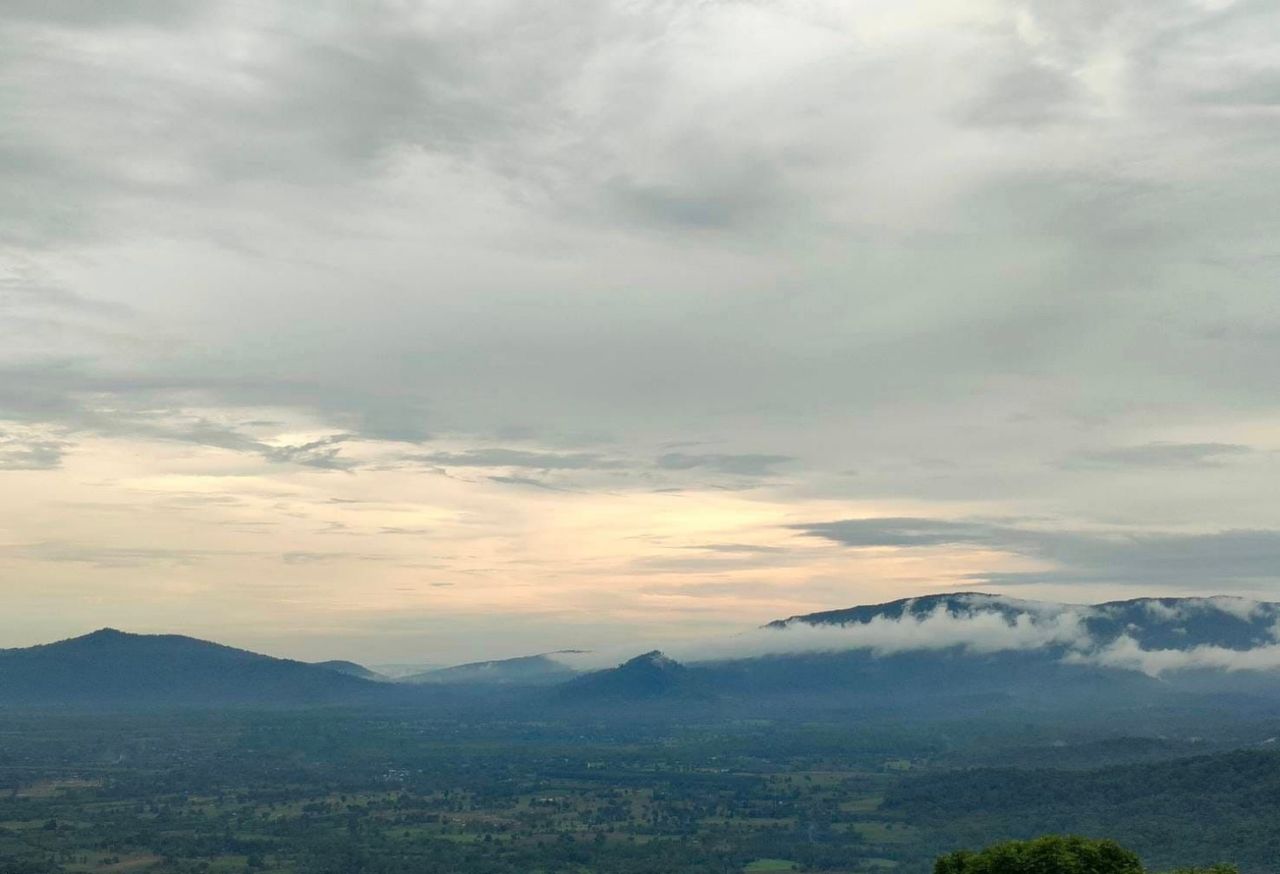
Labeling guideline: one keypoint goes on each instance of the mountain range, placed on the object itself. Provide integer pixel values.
(932, 653)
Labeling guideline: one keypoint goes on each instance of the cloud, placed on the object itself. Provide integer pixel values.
(904, 531)
(118, 14)
(498, 457)
(22, 287)
(526, 481)
(1159, 455)
(745, 464)
(25, 452)
(115, 556)
(739, 548)
(984, 630)
(967, 249)
(983, 624)
(1125, 653)
(1117, 557)
(980, 632)
(306, 558)
(322, 453)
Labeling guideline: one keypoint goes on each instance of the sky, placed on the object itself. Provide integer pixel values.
(432, 331)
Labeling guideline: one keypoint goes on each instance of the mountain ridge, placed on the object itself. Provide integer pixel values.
(109, 666)
(944, 646)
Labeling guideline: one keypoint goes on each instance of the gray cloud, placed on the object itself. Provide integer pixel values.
(121, 13)
(322, 453)
(968, 253)
(115, 556)
(1157, 455)
(27, 290)
(1117, 557)
(526, 481)
(744, 464)
(498, 457)
(596, 117)
(19, 452)
(905, 531)
(738, 548)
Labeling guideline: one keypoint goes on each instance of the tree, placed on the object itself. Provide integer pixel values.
(1051, 854)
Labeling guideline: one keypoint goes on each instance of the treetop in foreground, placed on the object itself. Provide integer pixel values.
(1054, 854)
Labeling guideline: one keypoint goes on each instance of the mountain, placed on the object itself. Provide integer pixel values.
(1151, 623)
(110, 668)
(923, 657)
(351, 669)
(645, 677)
(535, 670)
(947, 655)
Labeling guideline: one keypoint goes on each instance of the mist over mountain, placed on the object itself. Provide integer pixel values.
(1152, 623)
(1154, 636)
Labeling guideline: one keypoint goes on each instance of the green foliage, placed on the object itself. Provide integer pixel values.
(1051, 854)
(398, 791)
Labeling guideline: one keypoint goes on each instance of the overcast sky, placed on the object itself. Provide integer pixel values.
(429, 331)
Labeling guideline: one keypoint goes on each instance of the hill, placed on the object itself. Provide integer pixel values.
(534, 670)
(110, 668)
(351, 669)
(646, 677)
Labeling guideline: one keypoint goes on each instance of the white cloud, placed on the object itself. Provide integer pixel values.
(979, 632)
(1126, 653)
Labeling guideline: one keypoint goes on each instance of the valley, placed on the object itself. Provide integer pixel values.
(393, 791)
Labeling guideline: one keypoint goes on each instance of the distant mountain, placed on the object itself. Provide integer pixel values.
(934, 655)
(944, 655)
(397, 671)
(648, 676)
(535, 670)
(944, 652)
(1152, 623)
(110, 668)
(351, 669)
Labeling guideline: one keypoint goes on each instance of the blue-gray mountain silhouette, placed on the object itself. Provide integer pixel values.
(114, 668)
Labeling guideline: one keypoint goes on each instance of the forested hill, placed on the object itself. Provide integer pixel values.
(117, 669)
(1187, 811)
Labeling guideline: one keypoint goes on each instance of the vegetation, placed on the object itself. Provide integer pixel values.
(399, 791)
(1187, 811)
(1051, 854)
(1054, 854)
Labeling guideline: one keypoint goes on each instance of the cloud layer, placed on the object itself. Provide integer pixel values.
(573, 289)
